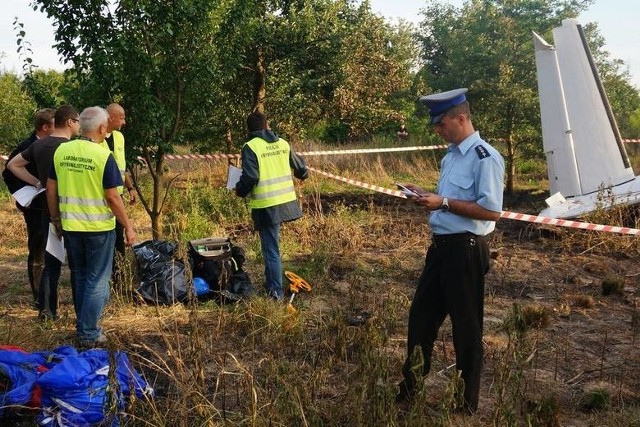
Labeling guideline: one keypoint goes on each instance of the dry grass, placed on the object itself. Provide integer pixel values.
(337, 362)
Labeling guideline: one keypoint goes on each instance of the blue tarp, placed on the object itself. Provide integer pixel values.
(70, 388)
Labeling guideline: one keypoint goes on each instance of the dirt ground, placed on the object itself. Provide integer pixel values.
(585, 341)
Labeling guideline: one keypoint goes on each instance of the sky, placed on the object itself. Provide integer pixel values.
(617, 21)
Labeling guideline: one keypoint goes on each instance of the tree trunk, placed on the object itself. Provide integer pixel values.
(259, 83)
(228, 141)
(511, 165)
(158, 196)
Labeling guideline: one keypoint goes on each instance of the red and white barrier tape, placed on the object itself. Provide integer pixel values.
(309, 153)
(396, 193)
(302, 153)
(373, 150)
(320, 153)
(504, 214)
(569, 223)
(360, 184)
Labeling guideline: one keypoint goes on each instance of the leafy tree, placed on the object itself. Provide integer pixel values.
(49, 88)
(145, 54)
(623, 97)
(16, 111)
(375, 66)
(312, 65)
(634, 124)
(486, 46)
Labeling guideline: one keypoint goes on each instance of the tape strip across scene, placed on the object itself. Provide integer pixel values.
(323, 153)
(505, 214)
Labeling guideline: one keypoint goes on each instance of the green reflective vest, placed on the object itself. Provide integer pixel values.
(275, 185)
(79, 166)
(118, 154)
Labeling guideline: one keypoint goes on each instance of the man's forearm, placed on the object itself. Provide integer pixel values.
(472, 210)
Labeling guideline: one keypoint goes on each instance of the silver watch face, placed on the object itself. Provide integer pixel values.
(445, 205)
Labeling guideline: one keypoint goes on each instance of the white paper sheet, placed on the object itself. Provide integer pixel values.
(55, 246)
(233, 177)
(26, 194)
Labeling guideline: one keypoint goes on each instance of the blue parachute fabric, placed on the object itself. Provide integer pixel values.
(77, 392)
(69, 388)
(20, 371)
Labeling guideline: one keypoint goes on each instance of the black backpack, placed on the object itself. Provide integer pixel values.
(219, 263)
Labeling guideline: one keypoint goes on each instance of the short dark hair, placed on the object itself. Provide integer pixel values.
(460, 109)
(43, 117)
(64, 113)
(256, 121)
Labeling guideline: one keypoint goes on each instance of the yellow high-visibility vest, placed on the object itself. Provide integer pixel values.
(275, 185)
(79, 166)
(118, 154)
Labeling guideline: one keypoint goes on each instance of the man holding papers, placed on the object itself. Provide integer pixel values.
(32, 214)
(40, 154)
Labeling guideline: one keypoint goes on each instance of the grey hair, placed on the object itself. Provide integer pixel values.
(91, 118)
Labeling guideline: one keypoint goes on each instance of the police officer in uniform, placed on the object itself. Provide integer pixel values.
(463, 211)
(267, 161)
(83, 203)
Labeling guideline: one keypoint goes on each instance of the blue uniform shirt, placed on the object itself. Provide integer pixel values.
(471, 171)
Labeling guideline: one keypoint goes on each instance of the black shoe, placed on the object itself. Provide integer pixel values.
(406, 393)
(464, 409)
(101, 341)
(47, 317)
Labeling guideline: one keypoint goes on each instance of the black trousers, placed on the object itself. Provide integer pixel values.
(452, 283)
(48, 289)
(36, 244)
(117, 274)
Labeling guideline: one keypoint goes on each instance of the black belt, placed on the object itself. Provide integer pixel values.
(444, 239)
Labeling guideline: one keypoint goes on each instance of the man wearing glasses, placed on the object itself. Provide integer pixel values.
(40, 155)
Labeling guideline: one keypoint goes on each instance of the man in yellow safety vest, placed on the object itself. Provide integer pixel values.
(114, 142)
(83, 200)
(267, 161)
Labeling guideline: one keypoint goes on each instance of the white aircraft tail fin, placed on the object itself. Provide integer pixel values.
(584, 149)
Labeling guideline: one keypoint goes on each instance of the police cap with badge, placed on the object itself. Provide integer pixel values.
(440, 103)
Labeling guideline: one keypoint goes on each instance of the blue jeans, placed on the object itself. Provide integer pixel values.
(90, 261)
(269, 242)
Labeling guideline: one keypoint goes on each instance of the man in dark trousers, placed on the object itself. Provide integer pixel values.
(463, 211)
(41, 154)
(32, 214)
(267, 161)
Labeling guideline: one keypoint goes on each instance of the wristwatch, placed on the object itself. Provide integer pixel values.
(445, 205)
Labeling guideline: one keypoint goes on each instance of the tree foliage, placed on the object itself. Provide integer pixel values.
(634, 124)
(623, 96)
(16, 112)
(145, 54)
(50, 88)
(486, 46)
(190, 70)
(314, 66)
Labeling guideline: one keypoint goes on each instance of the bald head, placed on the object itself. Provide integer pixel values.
(116, 117)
